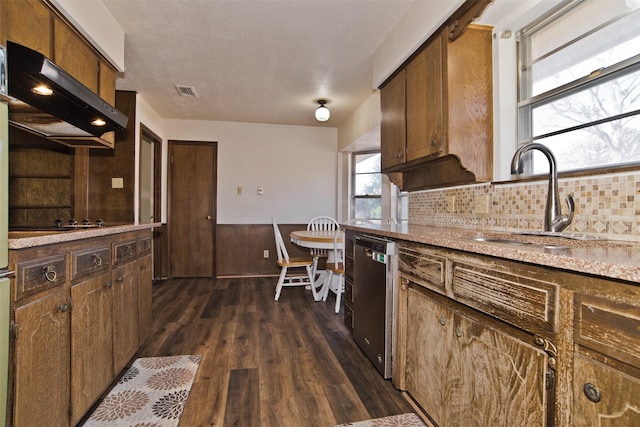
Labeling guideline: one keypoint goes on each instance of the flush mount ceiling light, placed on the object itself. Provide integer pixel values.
(322, 112)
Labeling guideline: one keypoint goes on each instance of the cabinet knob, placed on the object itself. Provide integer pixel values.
(592, 392)
(434, 142)
(63, 307)
(97, 260)
(443, 320)
(50, 273)
(120, 279)
(459, 332)
(108, 285)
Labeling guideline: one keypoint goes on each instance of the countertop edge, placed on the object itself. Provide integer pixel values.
(619, 260)
(68, 236)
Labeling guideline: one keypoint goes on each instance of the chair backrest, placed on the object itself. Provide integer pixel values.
(323, 223)
(281, 249)
(337, 256)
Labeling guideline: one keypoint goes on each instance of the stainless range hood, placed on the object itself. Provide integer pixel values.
(71, 114)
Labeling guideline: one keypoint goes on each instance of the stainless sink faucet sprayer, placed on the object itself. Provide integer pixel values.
(554, 220)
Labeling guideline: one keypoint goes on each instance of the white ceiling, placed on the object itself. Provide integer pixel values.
(262, 61)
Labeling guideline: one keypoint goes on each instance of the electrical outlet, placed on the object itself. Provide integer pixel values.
(451, 204)
(482, 204)
(266, 253)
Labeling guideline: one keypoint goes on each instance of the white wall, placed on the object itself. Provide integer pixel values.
(296, 166)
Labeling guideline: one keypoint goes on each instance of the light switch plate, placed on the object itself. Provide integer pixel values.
(451, 204)
(117, 182)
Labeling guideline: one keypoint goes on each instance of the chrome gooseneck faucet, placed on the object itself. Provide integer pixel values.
(554, 220)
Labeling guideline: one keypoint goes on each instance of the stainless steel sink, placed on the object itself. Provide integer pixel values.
(498, 240)
(572, 236)
(504, 241)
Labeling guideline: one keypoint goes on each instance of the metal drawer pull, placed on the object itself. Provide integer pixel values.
(63, 307)
(443, 320)
(108, 285)
(50, 273)
(592, 392)
(120, 279)
(459, 332)
(97, 260)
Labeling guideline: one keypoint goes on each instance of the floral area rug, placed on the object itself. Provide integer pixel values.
(403, 420)
(151, 393)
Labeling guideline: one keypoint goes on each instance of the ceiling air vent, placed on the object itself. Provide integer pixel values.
(186, 91)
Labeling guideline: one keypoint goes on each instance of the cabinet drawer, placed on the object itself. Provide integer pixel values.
(609, 327)
(38, 275)
(124, 251)
(88, 261)
(423, 267)
(518, 299)
(144, 245)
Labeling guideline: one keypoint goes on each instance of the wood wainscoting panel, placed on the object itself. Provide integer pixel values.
(240, 248)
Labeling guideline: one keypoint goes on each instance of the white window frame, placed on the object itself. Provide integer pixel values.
(526, 102)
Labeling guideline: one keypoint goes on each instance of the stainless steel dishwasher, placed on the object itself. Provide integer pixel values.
(373, 299)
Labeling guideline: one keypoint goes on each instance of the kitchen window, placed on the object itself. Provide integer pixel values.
(366, 186)
(579, 85)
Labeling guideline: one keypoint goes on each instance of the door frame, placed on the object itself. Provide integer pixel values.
(214, 145)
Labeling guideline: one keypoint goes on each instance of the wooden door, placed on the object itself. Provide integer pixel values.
(192, 208)
(428, 350)
(425, 104)
(42, 359)
(393, 122)
(125, 314)
(496, 379)
(91, 343)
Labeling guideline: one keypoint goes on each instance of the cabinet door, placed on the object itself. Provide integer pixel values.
(144, 293)
(604, 396)
(393, 122)
(29, 24)
(495, 378)
(74, 56)
(425, 104)
(42, 362)
(91, 342)
(125, 314)
(428, 349)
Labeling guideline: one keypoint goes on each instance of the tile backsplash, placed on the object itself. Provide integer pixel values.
(605, 205)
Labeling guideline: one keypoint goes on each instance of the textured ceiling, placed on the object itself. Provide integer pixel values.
(263, 61)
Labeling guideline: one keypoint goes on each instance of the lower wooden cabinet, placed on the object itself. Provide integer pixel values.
(466, 372)
(604, 396)
(91, 342)
(484, 341)
(145, 315)
(75, 324)
(41, 352)
(125, 323)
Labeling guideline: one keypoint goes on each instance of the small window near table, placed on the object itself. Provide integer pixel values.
(367, 186)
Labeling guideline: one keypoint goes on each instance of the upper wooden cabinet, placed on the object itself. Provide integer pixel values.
(29, 24)
(425, 107)
(438, 129)
(74, 56)
(393, 128)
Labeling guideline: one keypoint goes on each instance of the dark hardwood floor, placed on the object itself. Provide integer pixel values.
(290, 363)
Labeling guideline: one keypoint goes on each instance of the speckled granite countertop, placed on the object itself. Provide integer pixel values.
(29, 239)
(606, 258)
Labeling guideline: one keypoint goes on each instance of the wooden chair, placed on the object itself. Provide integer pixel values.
(285, 262)
(335, 268)
(321, 223)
